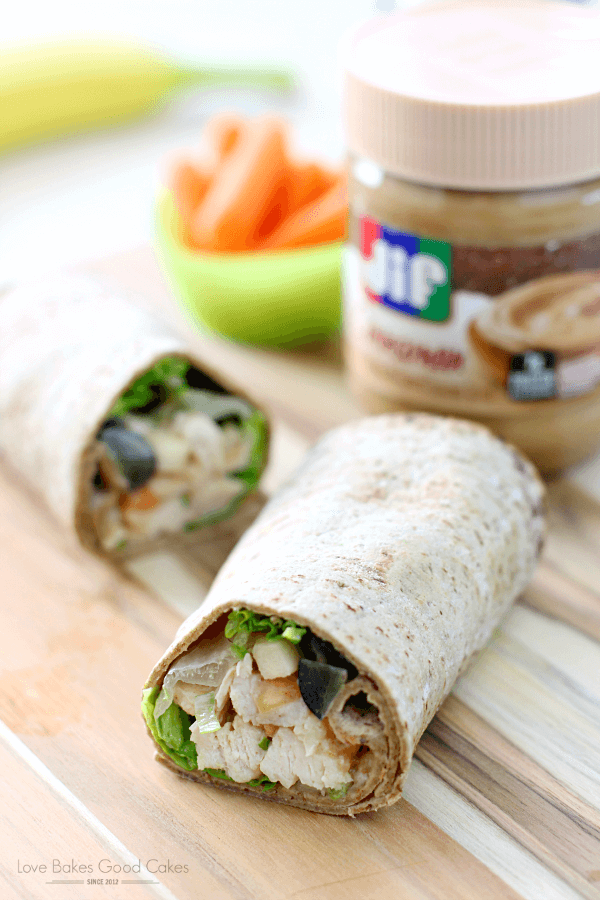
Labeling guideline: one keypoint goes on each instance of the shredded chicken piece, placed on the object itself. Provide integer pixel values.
(203, 435)
(290, 758)
(222, 694)
(169, 515)
(234, 748)
(236, 450)
(185, 695)
(302, 748)
(247, 689)
(195, 462)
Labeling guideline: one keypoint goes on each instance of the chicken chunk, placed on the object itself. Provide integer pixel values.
(294, 756)
(208, 748)
(204, 436)
(234, 748)
(185, 695)
(260, 702)
(302, 748)
(194, 461)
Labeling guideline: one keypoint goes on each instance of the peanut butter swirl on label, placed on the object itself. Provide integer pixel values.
(559, 313)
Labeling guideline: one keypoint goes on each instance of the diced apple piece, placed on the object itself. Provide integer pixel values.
(168, 486)
(171, 450)
(275, 659)
(168, 517)
(276, 693)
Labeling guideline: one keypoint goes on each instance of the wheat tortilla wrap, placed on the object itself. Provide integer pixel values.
(344, 615)
(114, 419)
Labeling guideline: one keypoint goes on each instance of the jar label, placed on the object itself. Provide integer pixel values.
(405, 272)
(496, 326)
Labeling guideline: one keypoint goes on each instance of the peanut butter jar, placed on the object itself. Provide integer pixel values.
(472, 270)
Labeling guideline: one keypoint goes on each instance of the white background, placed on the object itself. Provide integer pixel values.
(93, 195)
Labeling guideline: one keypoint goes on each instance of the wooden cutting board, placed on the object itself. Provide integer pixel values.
(502, 801)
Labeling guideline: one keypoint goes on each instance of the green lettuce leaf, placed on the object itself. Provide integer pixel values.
(218, 773)
(256, 782)
(339, 793)
(263, 782)
(206, 717)
(255, 425)
(243, 622)
(171, 731)
(170, 372)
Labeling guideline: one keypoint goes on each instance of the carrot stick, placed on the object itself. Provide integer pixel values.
(304, 182)
(242, 190)
(220, 136)
(190, 180)
(319, 222)
(189, 184)
(307, 182)
(141, 499)
(276, 213)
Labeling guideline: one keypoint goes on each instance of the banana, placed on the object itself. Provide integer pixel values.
(67, 87)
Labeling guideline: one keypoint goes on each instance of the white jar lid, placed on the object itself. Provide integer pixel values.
(478, 94)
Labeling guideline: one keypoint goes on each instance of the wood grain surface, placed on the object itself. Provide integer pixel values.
(502, 801)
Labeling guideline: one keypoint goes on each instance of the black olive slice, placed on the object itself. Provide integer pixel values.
(203, 382)
(313, 647)
(131, 452)
(320, 684)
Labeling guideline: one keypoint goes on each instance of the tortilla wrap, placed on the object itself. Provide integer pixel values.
(401, 540)
(69, 347)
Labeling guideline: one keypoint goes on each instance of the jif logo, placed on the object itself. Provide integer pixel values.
(405, 272)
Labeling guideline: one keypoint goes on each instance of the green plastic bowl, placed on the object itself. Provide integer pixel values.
(276, 298)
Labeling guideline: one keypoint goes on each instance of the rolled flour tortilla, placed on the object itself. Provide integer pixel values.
(398, 545)
(70, 348)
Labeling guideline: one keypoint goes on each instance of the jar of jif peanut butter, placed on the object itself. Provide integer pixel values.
(472, 271)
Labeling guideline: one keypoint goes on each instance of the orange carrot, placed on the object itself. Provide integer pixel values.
(307, 182)
(242, 190)
(278, 209)
(304, 182)
(220, 135)
(189, 180)
(189, 184)
(319, 222)
(141, 499)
